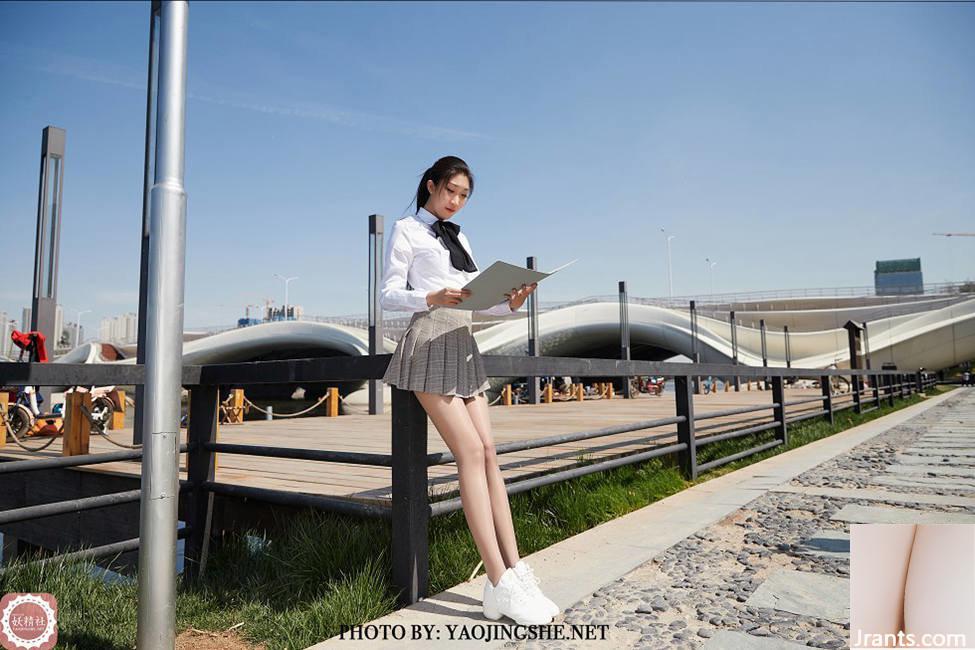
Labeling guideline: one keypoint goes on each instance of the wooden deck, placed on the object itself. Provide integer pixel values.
(369, 433)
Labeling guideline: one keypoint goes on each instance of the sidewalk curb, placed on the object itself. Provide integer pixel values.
(574, 568)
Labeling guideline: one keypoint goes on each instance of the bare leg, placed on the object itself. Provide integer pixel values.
(455, 427)
(940, 591)
(504, 528)
(880, 554)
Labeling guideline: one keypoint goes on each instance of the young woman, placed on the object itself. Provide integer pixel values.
(427, 260)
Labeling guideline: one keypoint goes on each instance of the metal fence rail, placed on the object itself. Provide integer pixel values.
(410, 507)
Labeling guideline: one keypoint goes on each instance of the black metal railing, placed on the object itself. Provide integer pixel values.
(410, 507)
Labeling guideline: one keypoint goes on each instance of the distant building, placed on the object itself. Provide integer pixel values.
(73, 335)
(892, 277)
(7, 325)
(295, 312)
(105, 329)
(120, 329)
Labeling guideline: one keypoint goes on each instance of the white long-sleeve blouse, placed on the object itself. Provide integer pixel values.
(417, 262)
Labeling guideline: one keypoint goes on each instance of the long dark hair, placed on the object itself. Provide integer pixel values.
(442, 170)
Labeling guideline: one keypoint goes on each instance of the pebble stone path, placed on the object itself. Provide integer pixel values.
(775, 573)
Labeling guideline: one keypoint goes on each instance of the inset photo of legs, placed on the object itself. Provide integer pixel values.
(912, 585)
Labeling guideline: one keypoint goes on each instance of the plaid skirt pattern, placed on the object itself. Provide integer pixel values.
(437, 353)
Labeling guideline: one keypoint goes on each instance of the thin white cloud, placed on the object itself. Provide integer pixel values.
(93, 70)
(355, 119)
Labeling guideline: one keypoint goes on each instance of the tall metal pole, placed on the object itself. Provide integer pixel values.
(853, 333)
(866, 357)
(624, 334)
(788, 346)
(77, 327)
(138, 424)
(534, 350)
(47, 243)
(734, 347)
(670, 272)
(866, 346)
(286, 282)
(761, 325)
(164, 343)
(695, 355)
(375, 310)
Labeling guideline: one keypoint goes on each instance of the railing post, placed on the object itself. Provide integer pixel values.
(4, 401)
(855, 387)
(684, 395)
(827, 390)
(410, 500)
(778, 412)
(875, 380)
(919, 381)
(202, 429)
(890, 394)
(77, 428)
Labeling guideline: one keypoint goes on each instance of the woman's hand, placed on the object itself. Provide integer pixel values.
(447, 297)
(517, 297)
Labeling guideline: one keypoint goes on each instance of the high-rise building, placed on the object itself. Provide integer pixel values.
(120, 329)
(25, 321)
(6, 327)
(105, 329)
(131, 325)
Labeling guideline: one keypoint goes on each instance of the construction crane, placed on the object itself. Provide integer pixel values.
(953, 234)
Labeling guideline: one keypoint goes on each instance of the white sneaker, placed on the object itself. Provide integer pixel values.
(530, 582)
(508, 598)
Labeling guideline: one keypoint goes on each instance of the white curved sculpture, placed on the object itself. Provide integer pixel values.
(930, 333)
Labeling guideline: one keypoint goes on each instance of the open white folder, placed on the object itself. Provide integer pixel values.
(488, 288)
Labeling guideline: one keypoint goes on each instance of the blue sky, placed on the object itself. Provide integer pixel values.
(792, 143)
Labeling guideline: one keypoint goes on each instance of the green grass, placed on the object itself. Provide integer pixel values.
(317, 571)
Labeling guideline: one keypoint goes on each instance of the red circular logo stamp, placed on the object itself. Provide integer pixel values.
(28, 622)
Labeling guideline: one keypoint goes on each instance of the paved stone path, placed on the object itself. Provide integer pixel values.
(775, 573)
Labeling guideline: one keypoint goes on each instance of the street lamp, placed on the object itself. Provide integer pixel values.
(286, 282)
(711, 266)
(77, 327)
(670, 272)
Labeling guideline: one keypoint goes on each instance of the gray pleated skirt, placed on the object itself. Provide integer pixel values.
(437, 353)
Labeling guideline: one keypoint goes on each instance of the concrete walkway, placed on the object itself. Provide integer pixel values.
(584, 569)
